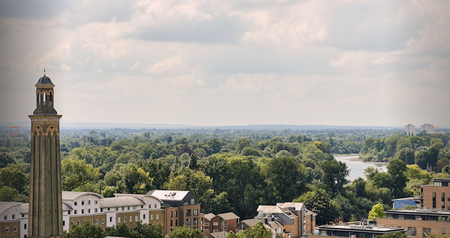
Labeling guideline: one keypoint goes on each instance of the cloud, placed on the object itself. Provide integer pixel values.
(165, 65)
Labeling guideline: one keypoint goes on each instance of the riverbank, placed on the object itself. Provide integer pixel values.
(357, 165)
(355, 157)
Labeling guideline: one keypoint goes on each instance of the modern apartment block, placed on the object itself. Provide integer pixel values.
(288, 219)
(181, 208)
(428, 128)
(353, 231)
(221, 222)
(432, 218)
(410, 129)
(178, 208)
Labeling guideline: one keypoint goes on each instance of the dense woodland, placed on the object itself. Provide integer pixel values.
(237, 170)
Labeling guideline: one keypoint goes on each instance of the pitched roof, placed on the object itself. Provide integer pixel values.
(121, 202)
(250, 222)
(220, 234)
(209, 216)
(296, 205)
(228, 216)
(6, 205)
(25, 207)
(173, 195)
(69, 195)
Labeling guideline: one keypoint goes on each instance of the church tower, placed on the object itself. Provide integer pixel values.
(45, 212)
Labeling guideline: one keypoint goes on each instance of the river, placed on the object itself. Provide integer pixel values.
(357, 166)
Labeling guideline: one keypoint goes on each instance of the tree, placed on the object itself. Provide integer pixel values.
(8, 194)
(256, 231)
(393, 235)
(75, 173)
(147, 230)
(334, 175)
(14, 176)
(441, 164)
(406, 155)
(422, 159)
(287, 176)
(185, 232)
(377, 211)
(397, 171)
(319, 201)
(193, 162)
(86, 230)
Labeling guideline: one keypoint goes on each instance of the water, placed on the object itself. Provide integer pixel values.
(357, 167)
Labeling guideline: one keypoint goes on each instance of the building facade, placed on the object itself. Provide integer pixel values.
(410, 129)
(428, 128)
(354, 231)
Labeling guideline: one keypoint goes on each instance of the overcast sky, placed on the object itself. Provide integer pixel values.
(233, 62)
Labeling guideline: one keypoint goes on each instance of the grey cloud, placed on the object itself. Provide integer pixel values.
(219, 29)
(370, 26)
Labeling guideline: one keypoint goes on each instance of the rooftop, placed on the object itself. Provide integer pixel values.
(250, 222)
(121, 202)
(168, 194)
(360, 228)
(44, 80)
(69, 195)
(6, 205)
(418, 211)
(228, 216)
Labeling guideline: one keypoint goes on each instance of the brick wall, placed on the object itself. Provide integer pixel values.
(11, 233)
(427, 192)
(88, 218)
(436, 226)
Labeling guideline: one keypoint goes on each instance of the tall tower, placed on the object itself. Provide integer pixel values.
(45, 214)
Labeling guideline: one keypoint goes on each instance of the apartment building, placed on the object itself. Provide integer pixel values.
(433, 217)
(78, 207)
(181, 208)
(219, 223)
(288, 219)
(354, 231)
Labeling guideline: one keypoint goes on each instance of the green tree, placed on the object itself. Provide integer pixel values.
(256, 231)
(8, 194)
(319, 201)
(406, 155)
(334, 175)
(377, 211)
(14, 176)
(75, 173)
(397, 171)
(193, 162)
(393, 235)
(185, 232)
(147, 230)
(86, 230)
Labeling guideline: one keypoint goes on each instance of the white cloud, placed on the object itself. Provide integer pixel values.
(165, 65)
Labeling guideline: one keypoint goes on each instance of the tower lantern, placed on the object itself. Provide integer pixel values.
(45, 210)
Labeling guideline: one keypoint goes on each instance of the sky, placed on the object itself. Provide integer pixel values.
(234, 62)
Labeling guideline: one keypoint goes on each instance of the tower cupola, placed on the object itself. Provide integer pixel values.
(44, 97)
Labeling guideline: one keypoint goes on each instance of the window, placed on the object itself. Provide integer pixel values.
(171, 222)
(103, 220)
(215, 223)
(426, 231)
(143, 216)
(192, 201)
(110, 219)
(188, 212)
(64, 223)
(82, 211)
(89, 202)
(7, 229)
(89, 210)
(151, 217)
(123, 208)
(118, 219)
(95, 210)
(443, 231)
(176, 213)
(171, 214)
(412, 231)
(68, 212)
(5, 217)
(108, 209)
(75, 212)
(13, 216)
(128, 208)
(156, 206)
(96, 202)
(131, 219)
(82, 202)
(124, 219)
(157, 216)
(78, 222)
(91, 221)
(142, 206)
(188, 221)
(15, 228)
(23, 215)
(135, 218)
(195, 212)
(96, 221)
(75, 203)
(149, 206)
(176, 222)
(434, 200)
(24, 226)
(195, 221)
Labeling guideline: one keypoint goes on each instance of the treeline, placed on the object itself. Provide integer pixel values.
(429, 152)
(227, 170)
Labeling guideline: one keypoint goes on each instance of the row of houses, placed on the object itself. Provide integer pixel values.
(171, 209)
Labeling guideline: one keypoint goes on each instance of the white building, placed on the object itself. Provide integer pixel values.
(410, 129)
(428, 128)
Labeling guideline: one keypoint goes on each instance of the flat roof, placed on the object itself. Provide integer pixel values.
(418, 212)
(360, 228)
(441, 180)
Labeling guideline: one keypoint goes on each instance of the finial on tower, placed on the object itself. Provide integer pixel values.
(44, 71)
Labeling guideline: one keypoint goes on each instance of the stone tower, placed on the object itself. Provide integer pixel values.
(45, 214)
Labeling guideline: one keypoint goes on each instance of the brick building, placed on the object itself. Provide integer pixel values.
(218, 223)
